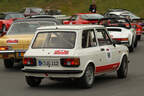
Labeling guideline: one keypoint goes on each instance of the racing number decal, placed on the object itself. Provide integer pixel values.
(108, 54)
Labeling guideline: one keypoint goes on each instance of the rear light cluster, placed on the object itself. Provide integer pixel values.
(70, 62)
(121, 39)
(4, 48)
(29, 62)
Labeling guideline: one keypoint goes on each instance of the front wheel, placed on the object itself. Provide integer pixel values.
(8, 63)
(33, 81)
(123, 70)
(88, 77)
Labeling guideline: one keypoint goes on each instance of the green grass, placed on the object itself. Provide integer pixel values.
(74, 6)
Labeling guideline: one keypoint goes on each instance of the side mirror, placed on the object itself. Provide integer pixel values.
(116, 42)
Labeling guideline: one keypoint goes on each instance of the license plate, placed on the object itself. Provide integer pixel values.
(49, 63)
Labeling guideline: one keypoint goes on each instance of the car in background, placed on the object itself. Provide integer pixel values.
(139, 25)
(6, 19)
(15, 43)
(73, 52)
(121, 30)
(120, 13)
(29, 11)
(58, 17)
(84, 18)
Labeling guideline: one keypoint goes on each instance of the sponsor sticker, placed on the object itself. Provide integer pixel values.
(12, 41)
(61, 52)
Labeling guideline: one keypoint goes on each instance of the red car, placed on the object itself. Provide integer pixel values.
(6, 19)
(84, 18)
(139, 30)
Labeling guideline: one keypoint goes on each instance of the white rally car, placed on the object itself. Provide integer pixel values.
(120, 29)
(77, 52)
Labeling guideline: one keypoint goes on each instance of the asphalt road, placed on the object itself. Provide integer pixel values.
(12, 82)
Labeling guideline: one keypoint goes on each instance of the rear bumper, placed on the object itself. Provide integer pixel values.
(52, 71)
(12, 54)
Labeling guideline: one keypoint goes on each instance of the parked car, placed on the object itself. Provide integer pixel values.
(84, 18)
(15, 43)
(120, 13)
(77, 52)
(6, 19)
(29, 11)
(120, 29)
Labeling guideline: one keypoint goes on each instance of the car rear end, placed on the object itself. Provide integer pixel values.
(53, 56)
(118, 34)
(16, 42)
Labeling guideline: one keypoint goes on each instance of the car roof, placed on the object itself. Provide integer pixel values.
(85, 13)
(5, 13)
(70, 27)
(38, 19)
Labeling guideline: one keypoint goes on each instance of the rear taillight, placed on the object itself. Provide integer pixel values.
(3, 48)
(121, 39)
(138, 29)
(29, 62)
(70, 62)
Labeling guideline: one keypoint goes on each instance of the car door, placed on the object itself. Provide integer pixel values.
(90, 50)
(110, 52)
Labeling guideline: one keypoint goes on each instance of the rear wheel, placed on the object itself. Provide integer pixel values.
(33, 81)
(136, 43)
(88, 78)
(123, 70)
(139, 37)
(8, 63)
(131, 48)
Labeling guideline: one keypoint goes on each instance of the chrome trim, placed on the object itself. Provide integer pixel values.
(12, 51)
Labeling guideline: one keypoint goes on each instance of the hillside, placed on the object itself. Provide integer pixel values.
(74, 6)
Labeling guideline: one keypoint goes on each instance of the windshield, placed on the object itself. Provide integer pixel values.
(59, 39)
(91, 16)
(27, 27)
(14, 16)
(37, 10)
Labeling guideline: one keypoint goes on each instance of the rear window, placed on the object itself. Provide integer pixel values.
(111, 29)
(91, 16)
(58, 40)
(27, 27)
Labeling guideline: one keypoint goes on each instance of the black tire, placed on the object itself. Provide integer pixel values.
(8, 63)
(88, 78)
(138, 37)
(135, 43)
(123, 70)
(33, 81)
(131, 48)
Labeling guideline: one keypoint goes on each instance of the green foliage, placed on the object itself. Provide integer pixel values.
(74, 6)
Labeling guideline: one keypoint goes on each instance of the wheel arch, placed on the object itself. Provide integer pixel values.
(123, 55)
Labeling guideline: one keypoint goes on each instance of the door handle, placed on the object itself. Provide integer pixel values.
(102, 49)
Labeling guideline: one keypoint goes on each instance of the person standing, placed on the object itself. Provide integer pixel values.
(93, 7)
